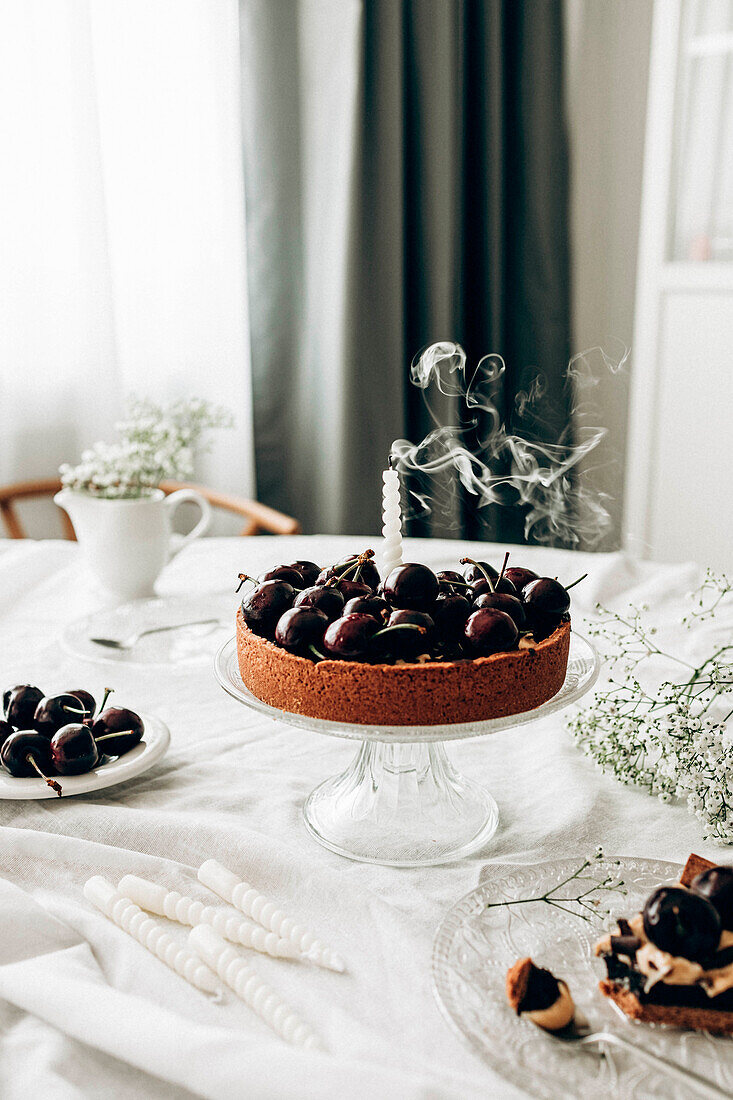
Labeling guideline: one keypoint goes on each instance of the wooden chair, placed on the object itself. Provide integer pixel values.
(260, 519)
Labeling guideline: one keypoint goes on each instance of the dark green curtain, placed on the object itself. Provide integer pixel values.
(456, 229)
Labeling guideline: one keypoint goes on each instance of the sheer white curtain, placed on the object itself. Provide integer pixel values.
(122, 238)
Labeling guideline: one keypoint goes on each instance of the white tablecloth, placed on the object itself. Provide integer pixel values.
(85, 1011)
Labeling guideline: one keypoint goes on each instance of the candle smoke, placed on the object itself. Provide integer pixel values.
(508, 460)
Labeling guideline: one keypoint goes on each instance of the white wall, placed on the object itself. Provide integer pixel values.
(607, 66)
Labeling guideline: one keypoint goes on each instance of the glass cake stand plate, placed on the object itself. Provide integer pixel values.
(401, 802)
(475, 946)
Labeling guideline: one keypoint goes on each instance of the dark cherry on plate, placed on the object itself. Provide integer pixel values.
(74, 750)
(55, 711)
(519, 576)
(488, 631)
(299, 628)
(323, 598)
(716, 884)
(681, 922)
(451, 579)
(308, 570)
(19, 705)
(19, 746)
(5, 730)
(87, 700)
(368, 605)
(502, 601)
(117, 730)
(286, 573)
(263, 606)
(450, 613)
(412, 587)
(348, 638)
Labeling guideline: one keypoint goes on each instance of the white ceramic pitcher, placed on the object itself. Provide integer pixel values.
(126, 543)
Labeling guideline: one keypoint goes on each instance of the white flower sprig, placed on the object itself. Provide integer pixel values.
(156, 443)
(583, 888)
(672, 741)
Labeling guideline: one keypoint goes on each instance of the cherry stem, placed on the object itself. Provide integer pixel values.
(242, 578)
(317, 653)
(355, 567)
(117, 733)
(107, 693)
(73, 710)
(479, 566)
(569, 586)
(51, 782)
(503, 567)
(400, 626)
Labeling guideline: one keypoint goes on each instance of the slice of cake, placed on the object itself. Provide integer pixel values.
(540, 996)
(672, 963)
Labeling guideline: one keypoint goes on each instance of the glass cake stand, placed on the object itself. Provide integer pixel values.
(401, 802)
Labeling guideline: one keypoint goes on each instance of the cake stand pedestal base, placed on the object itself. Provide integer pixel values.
(403, 805)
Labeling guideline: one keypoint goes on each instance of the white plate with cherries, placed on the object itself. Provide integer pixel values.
(54, 746)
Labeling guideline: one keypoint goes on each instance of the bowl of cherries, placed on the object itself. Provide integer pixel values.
(52, 737)
(347, 612)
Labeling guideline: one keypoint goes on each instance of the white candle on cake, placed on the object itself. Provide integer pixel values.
(392, 522)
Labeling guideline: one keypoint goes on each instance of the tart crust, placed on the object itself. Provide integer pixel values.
(429, 694)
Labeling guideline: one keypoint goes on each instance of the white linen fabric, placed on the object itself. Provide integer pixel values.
(85, 1011)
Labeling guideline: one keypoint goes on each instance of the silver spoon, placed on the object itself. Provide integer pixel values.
(580, 1034)
(129, 643)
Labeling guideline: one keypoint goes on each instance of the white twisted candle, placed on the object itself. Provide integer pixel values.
(185, 910)
(131, 919)
(246, 983)
(392, 523)
(265, 911)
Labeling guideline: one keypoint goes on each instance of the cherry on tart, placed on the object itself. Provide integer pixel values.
(308, 570)
(117, 730)
(716, 884)
(324, 598)
(74, 750)
(55, 711)
(488, 631)
(519, 576)
(285, 573)
(545, 596)
(407, 634)
(351, 589)
(300, 628)
(450, 613)
(263, 606)
(501, 601)
(478, 571)
(682, 923)
(19, 705)
(372, 605)
(25, 754)
(411, 587)
(357, 567)
(348, 638)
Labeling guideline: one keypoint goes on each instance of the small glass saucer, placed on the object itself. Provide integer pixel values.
(203, 623)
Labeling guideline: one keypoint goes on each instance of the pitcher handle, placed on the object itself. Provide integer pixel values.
(182, 496)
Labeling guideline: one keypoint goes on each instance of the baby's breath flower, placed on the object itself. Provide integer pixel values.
(668, 741)
(155, 444)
